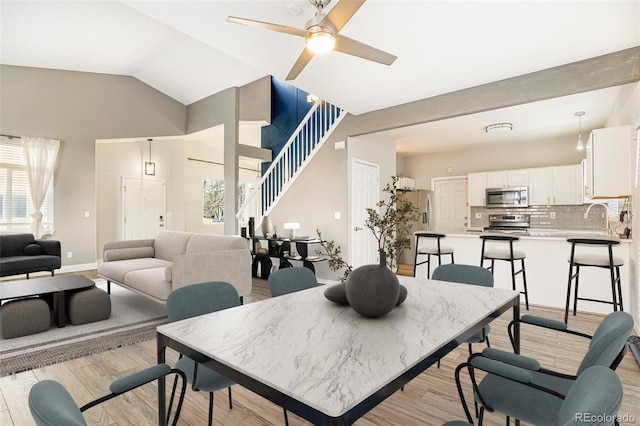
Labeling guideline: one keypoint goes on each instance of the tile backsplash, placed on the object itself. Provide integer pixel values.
(566, 217)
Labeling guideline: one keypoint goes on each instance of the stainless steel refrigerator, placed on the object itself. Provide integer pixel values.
(424, 200)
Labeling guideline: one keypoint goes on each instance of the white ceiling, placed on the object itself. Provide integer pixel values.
(187, 50)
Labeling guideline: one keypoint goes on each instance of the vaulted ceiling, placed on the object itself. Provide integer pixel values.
(187, 50)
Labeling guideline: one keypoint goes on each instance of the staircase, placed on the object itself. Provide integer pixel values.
(301, 147)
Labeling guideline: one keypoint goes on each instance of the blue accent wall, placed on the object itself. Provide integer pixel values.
(288, 107)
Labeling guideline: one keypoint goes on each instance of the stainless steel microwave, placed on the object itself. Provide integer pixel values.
(517, 196)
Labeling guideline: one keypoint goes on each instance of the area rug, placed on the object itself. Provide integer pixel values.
(134, 319)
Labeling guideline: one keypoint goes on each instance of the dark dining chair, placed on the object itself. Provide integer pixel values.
(520, 387)
(51, 404)
(191, 301)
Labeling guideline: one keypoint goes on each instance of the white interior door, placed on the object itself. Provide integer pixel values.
(365, 192)
(144, 208)
(451, 205)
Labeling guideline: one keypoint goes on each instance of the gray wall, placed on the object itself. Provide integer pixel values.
(78, 108)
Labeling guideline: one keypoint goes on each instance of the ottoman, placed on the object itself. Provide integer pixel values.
(21, 317)
(87, 305)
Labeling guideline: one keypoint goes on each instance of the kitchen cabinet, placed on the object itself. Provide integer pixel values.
(608, 165)
(518, 177)
(559, 185)
(567, 184)
(477, 184)
(540, 186)
(497, 179)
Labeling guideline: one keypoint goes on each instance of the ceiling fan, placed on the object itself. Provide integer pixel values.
(321, 34)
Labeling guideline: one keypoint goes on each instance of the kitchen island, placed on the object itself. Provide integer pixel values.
(547, 267)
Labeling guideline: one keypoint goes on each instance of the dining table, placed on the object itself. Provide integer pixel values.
(325, 362)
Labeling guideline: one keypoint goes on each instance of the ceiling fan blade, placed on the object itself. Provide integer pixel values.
(353, 47)
(342, 12)
(302, 62)
(268, 26)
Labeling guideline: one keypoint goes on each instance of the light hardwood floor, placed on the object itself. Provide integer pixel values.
(430, 399)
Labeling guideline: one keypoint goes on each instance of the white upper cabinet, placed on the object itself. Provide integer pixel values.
(608, 166)
(477, 184)
(540, 186)
(567, 184)
(497, 179)
(518, 177)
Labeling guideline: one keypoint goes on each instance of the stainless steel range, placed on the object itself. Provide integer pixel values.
(511, 223)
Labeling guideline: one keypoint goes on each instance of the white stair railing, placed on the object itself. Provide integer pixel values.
(305, 141)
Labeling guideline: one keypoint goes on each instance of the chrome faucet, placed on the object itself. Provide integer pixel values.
(606, 212)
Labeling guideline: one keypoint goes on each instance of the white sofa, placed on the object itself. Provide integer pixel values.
(156, 267)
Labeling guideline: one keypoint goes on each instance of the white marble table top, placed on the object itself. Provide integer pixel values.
(327, 356)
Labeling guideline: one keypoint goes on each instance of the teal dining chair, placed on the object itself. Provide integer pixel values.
(51, 404)
(194, 300)
(520, 387)
(594, 399)
(289, 280)
(467, 274)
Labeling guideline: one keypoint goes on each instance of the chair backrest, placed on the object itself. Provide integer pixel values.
(594, 398)
(199, 299)
(289, 280)
(51, 405)
(464, 274)
(608, 341)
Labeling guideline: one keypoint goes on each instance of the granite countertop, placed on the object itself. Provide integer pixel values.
(548, 233)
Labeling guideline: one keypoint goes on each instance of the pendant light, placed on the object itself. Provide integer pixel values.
(580, 145)
(149, 167)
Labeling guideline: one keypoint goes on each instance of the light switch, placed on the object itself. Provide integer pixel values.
(337, 215)
(478, 215)
(552, 215)
(87, 214)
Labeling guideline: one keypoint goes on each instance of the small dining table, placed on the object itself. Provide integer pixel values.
(325, 362)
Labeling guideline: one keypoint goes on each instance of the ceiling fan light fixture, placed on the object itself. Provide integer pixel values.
(498, 128)
(320, 41)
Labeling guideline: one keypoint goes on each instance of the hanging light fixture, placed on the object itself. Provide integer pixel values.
(580, 145)
(149, 167)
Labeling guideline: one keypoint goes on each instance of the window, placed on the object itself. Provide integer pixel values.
(213, 199)
(16, 207)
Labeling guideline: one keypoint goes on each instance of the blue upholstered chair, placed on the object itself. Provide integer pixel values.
(51, 405)
(194, 300)
(467, 274)
(519, 387)
(289, 280)
(597, 392)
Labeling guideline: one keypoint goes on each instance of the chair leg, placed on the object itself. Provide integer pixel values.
(524, 283)
(619, 288)
(230, 399)
(428, 266)
(487, 339)
(575, 294)
(614, 291)
(210, 409)
(566, 306)
(470, 349)
(108, 287)
(286, 417)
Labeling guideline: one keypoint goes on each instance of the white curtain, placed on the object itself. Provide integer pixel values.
(40, 155)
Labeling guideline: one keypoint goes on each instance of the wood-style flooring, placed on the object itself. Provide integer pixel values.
(430, 399)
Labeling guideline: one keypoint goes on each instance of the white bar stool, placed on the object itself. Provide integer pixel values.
(510, 255)
(430, 250)
(608, 261)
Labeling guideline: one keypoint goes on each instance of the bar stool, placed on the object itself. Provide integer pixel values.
(510, 255)
(430, 250)
(607, 261)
